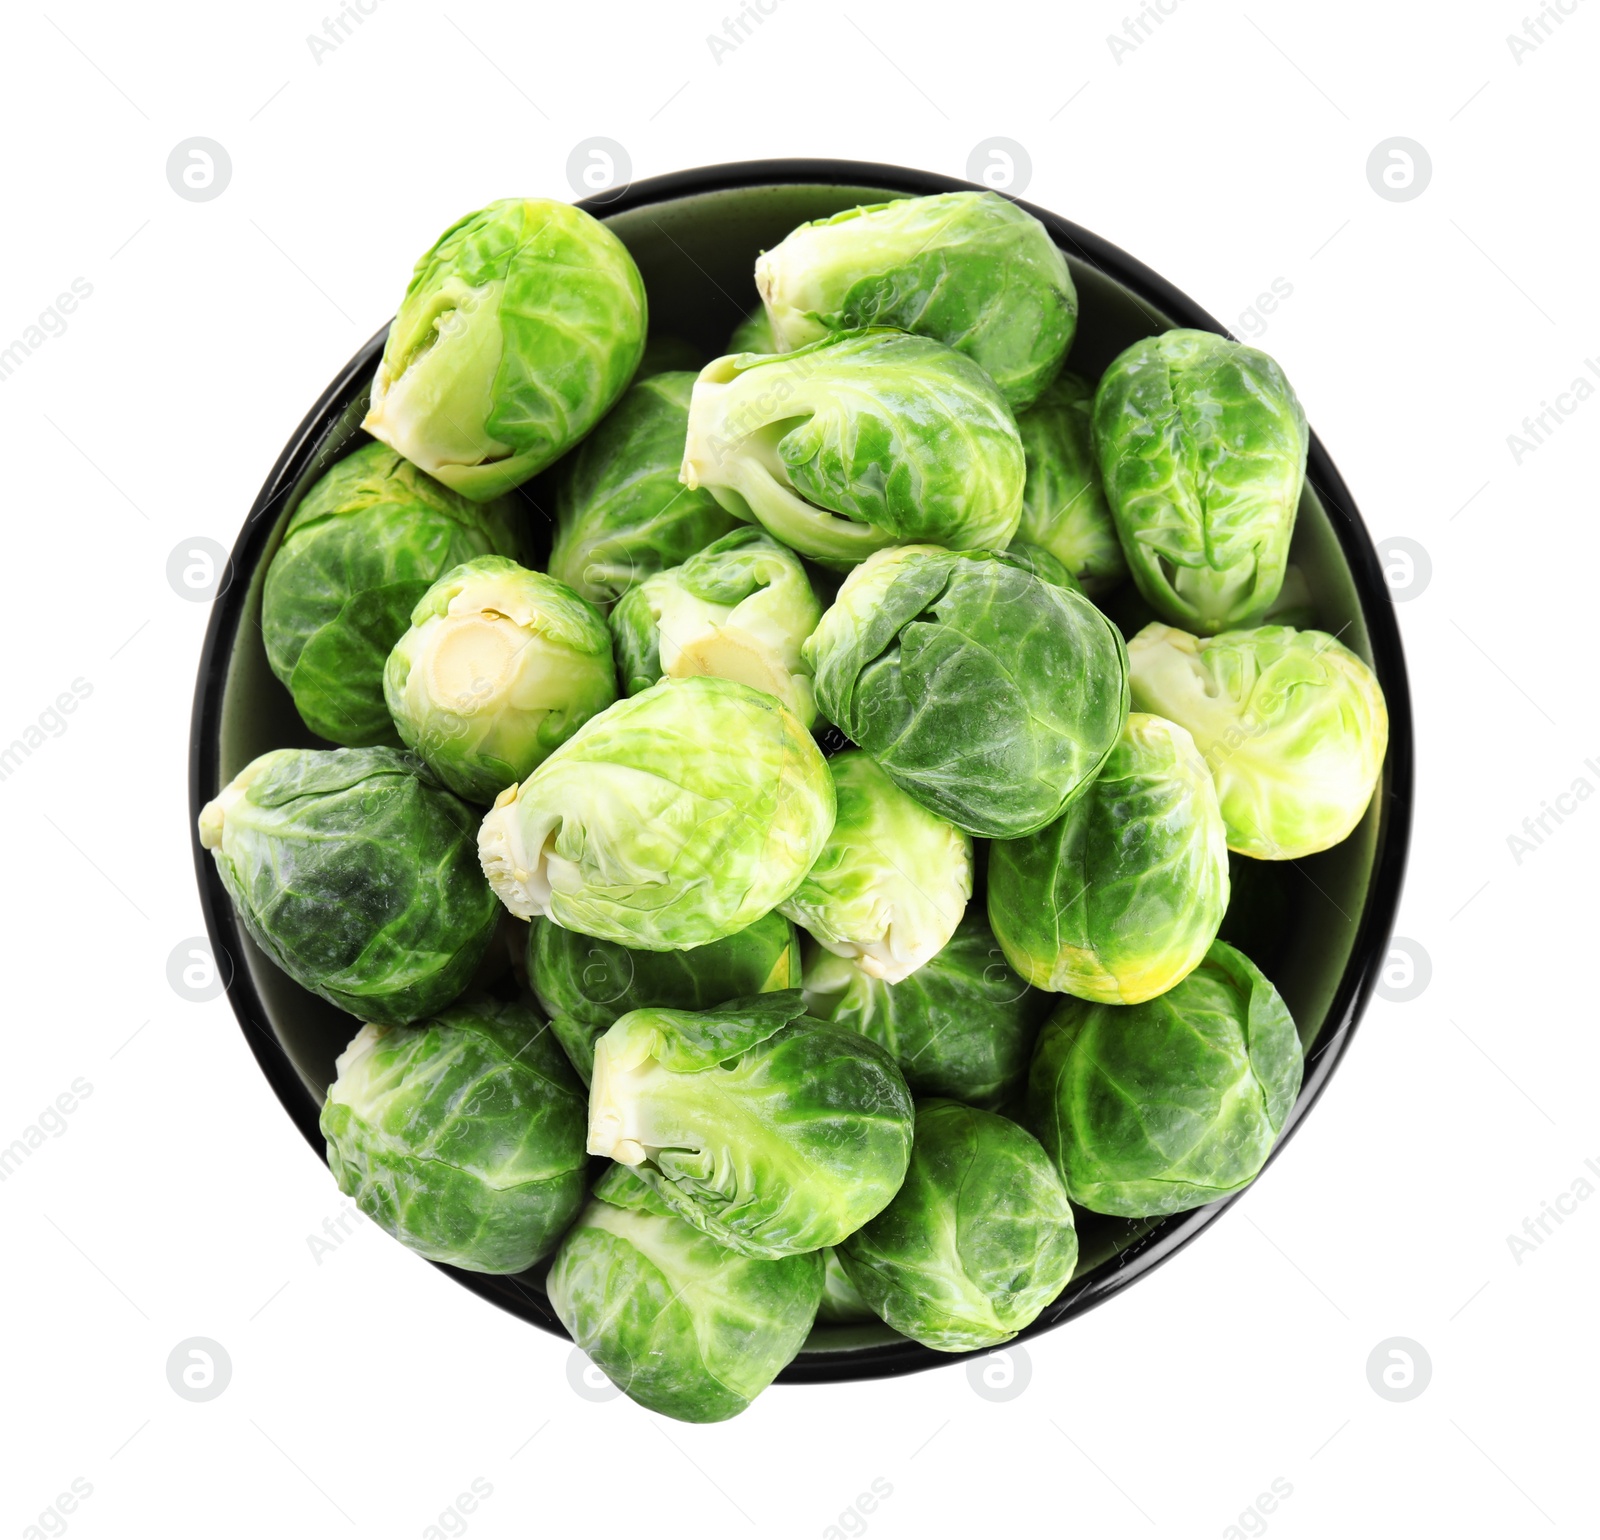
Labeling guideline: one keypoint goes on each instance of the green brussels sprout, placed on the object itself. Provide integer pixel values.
(1202, 449)
(684, 1326)
(1121, 896)
(739, 609)
(976, 1243)
(862, 440)
(500, 667)
(670, 820)
(989, 695)
(1292, 724)
(361, 547)
(754, 334)
(1154, 1108)
(962, 1025)
(519, 328)
(1063, 503)
(586, 984)
(462, 1136)
(841, 1304)
(893, 880)
(770, 1131)
(353, 870)
(621, 512)
(969, 269)
(1037, 560)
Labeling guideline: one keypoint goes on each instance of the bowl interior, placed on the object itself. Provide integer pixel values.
(1299, 921)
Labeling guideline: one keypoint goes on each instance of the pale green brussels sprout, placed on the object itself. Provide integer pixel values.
(754, 334)
(586, 984)
(989, 695)
(772, 1132)
(1202, 448)
(519, 328)
(1121, 896)
(684, 1326)
(841, 1304)
(500, 667)
(893, 880)
(1291, 723)
(361, 547)
(970, 269)
(354, 871)
(1064, 507)
(1155, 1108)
(621, 512)
(962, 1025)
(462, 1136)
(976, 1243)
(862, 440)
(670, 820)
(739, 609)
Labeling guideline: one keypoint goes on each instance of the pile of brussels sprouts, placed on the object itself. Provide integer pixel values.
(761, 1060)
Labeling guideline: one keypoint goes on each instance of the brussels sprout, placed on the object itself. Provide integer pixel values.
(586, 984)
(1063, 504)
(1159, 1107)
(461, 1136)
(860, 441)
(738, 610)
(361, 548)
(770, 1131)
(500, 666)
(621, 512)
(893, 880)
(969, 269)
(668, 821)
(1121, 895)
(991, 696)
(686, 1327)
(1292, 724)
(353, 870)
(842, 1304)
(754, 334)
(518, 330)
(1037, 560)
(962, 1025)
(1202, 447)
(976, 1243)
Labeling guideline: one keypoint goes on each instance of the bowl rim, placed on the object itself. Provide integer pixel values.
(1368, 949)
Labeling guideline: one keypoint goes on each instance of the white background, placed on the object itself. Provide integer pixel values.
(1227, 149)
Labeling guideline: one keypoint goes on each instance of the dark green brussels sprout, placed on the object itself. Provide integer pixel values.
(970, 269)
(962, 1025)
(1121, 895)
(621, 512)
(1155, 1108)
(1064, 507)
(739, 609)
(362, 546)
(500, 667)
(893, 880)
(586, 984)
(862, 440)
(753, 334)
(684, 1326)
(976, 1243)
(462, 1136)
(354, 871)
(992, 697)
(1291, 723)
(770, 1131)
(668, 821)
(1202, 449)
(520, 327)
(842, 1304)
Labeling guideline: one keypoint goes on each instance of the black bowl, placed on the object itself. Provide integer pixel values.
(1319, 928)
